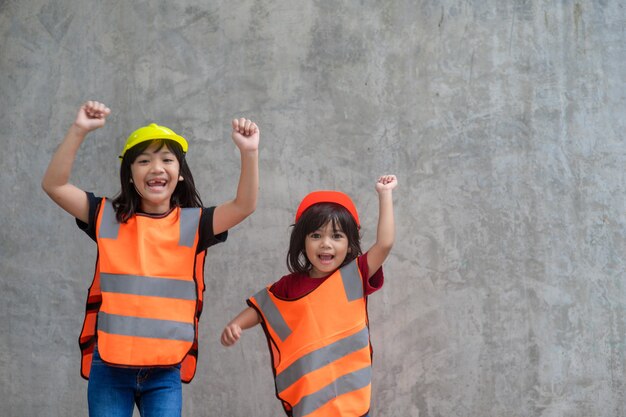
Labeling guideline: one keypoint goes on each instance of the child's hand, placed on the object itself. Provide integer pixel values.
(386, 183)
(91, 115)
(245, 134)
(231, 334)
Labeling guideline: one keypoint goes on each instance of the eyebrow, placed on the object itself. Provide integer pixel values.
(158, 151)
(335, 229)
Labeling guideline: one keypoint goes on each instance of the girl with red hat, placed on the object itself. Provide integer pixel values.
(315, 319)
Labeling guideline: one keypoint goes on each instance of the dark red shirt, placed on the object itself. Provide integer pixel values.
(296, 285)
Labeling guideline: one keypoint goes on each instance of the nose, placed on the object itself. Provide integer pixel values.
(157, 166)
(325, 242)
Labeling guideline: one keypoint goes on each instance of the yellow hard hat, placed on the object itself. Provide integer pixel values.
(150, 132)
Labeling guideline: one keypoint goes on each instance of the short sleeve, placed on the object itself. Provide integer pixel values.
(90, 227)
(207, 236)
(376, 281)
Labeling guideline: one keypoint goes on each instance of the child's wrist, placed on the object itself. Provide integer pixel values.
(249, 152)
(78, 130)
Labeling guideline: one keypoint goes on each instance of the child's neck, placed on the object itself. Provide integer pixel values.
(155, 208)
(319, 274)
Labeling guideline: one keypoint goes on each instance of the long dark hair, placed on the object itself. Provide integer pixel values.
(315, 217)
(128, 201)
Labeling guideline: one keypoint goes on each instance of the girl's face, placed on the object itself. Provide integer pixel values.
(326, 248)
(155, 174)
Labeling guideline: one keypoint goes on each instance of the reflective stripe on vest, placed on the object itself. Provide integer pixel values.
(320, 369)
(109, 226)
(352, 281)
(320, 358)
(148, 286)
(140, 327)
(147, 291)
(342, 385)
(272, 314)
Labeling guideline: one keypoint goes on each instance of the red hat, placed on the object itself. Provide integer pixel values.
(324, 196)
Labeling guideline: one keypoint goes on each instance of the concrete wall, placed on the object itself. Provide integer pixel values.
(503, 120)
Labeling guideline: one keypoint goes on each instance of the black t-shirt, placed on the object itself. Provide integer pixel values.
(206, 236)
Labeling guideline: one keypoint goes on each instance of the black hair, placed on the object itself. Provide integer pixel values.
(128, 201)
(315, 217)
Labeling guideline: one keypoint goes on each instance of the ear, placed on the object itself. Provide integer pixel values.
(131, 180)
(180, 178)
(349, 249)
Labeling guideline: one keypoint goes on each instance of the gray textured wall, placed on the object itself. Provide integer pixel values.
(502, 119)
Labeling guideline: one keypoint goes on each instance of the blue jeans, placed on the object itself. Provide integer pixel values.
(114, 391)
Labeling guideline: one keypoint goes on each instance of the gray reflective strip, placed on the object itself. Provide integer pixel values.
(321, 357)
(351, 281)
(109, 226)
(148, 286)
(141, 327)
(189, 219)
(272, 315)
(347, 383)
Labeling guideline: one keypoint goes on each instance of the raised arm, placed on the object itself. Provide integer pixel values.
(91, 115)
(246, 136)
(246, 319)
(386, 232)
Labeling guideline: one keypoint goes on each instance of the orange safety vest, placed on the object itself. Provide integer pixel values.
(145, 300)
(320, 346)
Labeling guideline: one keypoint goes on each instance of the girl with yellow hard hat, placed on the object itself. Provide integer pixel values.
(143, 307)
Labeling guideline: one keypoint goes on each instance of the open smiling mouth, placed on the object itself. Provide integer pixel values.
(325, 258)
(157, 183)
